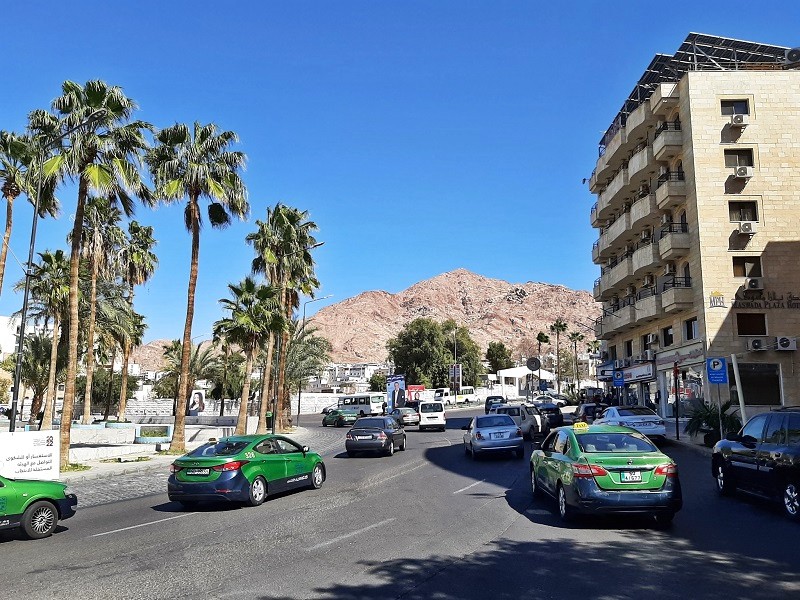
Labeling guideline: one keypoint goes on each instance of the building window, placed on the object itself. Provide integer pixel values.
(666, 337)
(742, 157)
(735, 107)
(690, 329)
(628, 348)
(751, 323)
(743, 211)
(612, 353)
(747, 266)
(761, 383)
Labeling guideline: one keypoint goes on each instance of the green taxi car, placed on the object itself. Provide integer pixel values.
(244, 468)
(35, 506)
(603, 469)
(339, 417)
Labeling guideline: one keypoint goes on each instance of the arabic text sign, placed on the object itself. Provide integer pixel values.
(29, 455)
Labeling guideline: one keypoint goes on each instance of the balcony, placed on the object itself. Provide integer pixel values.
(677, 295)
(648, 305)
(622, 317)
(617, 141)
(668, 142)
(674, 242)
(614, 231)
(594, 219)
(605, 202)
(646, 255)
(596, 252)
(664, 99)
(644, 211)
(671, 190)
(638, 120)
(640, 161)
(597, 290)
(616, 276)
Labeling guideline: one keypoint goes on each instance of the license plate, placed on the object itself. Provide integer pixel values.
(198, 471)
(498, 436)
(363, 437)
(630, 476)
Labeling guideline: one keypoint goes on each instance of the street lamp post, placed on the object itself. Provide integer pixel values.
(24, 312)
(302, 328)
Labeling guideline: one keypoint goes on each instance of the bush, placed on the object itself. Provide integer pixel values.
(705, 419)
(154, 432)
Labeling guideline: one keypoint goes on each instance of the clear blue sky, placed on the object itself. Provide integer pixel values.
(422, 136)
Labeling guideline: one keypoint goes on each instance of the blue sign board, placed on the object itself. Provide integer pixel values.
(619, 379)
(717, 369)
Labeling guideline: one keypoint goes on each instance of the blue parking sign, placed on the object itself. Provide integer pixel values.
(717, 369)
(619, 379)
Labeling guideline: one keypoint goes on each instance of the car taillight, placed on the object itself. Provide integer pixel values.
(231, 466)
(382, 436)
(519, 432)
(349, 436)
(173, 468)
(670, 470)
(478, 435)
(581, 470)
(444, 415)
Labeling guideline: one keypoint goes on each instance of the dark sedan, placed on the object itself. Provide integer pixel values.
(375, 434)
(551, 415)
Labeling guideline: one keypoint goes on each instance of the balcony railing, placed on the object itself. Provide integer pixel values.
(677, 282)
(669, 126)
(670, 176)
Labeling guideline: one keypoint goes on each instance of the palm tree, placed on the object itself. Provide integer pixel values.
(193, 165)
(203, 364)
(593, 347)
(102, 154)
(559, 327)
(132, 337)
(49, 292)
(34, 373)
(541, 338)
(575, 337)
(246, 326)
(307, 356)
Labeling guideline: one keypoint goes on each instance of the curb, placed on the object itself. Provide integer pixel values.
(707, 452)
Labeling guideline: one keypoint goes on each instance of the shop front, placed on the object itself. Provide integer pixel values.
(680, 377)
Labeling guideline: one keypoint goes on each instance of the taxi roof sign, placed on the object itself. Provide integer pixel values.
(580, 425)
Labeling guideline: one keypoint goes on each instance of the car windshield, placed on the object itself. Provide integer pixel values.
(494, 421)
(615, 442)
(636, 411)
(431, 407)
(548, 408)
(405, 411)
(512, 412)
(221, 448)
(370, 423)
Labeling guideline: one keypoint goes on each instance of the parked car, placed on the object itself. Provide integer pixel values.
(558, 399)
(34, 506)
(432, 416)
(600, 469)
(407, 416)
(763, 458)
(244, 468)
(587, 412)
(375, 434)
(552, 414)
(527, 418)
(339, 417)
(493, 433)
(490, 400)
(640, 418)
(328, 409)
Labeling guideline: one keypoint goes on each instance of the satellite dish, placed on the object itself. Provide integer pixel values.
(533, 364)
(793, 55)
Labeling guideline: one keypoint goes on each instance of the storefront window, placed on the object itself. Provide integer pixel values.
(761, 383)
(689, 391)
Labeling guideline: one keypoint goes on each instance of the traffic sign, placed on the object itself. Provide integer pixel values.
(533, 364)
(717, 369)
(619, 379)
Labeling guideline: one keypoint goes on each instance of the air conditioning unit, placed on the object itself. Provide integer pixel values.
(666, 219)
(663, 170)
(793, 55)
(754, 283)
(649, 355)
(651, 338)
(669, 269)
(740, 120)
(743, 172)
(631, 290)
(783, 342)
(649, 281)
(756, 344)
(748, 227)
(645, 236)
(619, 364)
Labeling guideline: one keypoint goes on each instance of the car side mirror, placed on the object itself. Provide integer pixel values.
(306, 449)
(733, 436)
(537, 445)
(749, 441)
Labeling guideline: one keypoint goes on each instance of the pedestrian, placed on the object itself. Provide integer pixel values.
(383, 407)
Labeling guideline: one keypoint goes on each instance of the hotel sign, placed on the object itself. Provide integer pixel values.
(761, 300)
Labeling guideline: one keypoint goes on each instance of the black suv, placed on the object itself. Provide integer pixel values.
(763, 459)
(551, 415)
(494, 400)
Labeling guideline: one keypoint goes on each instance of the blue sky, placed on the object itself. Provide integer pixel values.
(421, 136)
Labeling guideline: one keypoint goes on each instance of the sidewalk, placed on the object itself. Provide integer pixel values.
(692, 442)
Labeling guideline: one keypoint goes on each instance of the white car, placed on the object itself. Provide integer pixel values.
(556, 399)
(640, 418)
(527, 418)
(432, 416)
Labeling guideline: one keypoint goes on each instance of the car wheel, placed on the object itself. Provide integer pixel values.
(324, 424)
(725, 484)
(403, 445)
(791, 500)
(466, 449)
(564, 509)
(664, 519)
(519, 453)
(317, 476)
(340, 423)
(473, 455)
(535, 491)
(258, 491)
(390, 449)
(40, 520)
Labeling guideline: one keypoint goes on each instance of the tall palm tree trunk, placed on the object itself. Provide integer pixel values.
(110, 394)
(123, 392)
(179, 432)
(283, 407)
(262, 409)
(224, 380)
(6, 237)
(50, 398)
(87, 399)
(558, 362)
(72, 356)
(241, 421)
(36, 406)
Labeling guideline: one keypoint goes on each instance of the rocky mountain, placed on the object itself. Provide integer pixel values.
(492, 310)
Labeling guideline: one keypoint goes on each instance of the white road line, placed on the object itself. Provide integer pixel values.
(144, 524)
(349, 535)
(469, 486)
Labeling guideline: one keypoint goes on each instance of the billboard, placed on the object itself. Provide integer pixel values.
(396, 391)
(30, 455)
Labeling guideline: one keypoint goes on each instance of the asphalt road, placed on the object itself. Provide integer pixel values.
(427, 523)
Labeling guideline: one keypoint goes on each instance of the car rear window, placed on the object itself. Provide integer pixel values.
(548, 408)
(370, 423)
(512, 412)
(635, 411)
(430, 407)
(614, 442)
(221, 448)
(494, 421)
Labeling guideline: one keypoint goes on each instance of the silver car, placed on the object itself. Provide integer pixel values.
(406, 416)
(640, 418)
(493, 433)
(527, 418)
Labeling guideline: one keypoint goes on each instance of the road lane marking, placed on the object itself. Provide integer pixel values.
(469, 486)
(349, 535)
(144, 524)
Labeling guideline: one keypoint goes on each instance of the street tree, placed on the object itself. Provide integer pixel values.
(307, 356)
(34, 372)
(558, 327)
(576, 337)
(498, 356)
(377, 383)
(419, 352)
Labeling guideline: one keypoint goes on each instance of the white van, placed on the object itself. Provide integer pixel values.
(364, 404)
(432, 416)
(444, 395)
(466, 394)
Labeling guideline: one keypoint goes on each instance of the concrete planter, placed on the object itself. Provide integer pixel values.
(147, 439)
(120, 425)
(89, 426)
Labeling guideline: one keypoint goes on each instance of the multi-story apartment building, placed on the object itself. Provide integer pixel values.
(698, 206)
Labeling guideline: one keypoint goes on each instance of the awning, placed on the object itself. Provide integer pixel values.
(520, 372)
